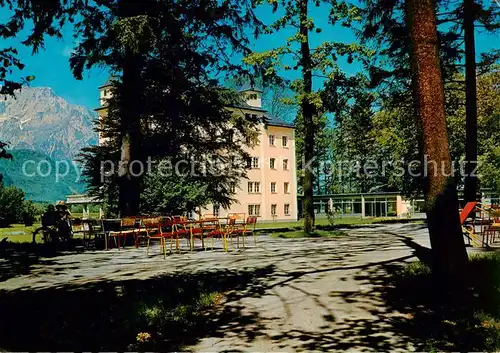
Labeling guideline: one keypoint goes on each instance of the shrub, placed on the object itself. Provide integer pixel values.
(11, 205)
(30, 213)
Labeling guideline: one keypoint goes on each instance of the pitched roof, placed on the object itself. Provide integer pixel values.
(274, 121)
(249, 87)
(109, 82)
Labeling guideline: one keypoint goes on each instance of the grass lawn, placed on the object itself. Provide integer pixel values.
(160, 314)
(302, 234)
(19, 233)
(321, 222)
(443, 320)
(80, 215)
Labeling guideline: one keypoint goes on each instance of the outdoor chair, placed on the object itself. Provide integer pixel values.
(208, 216)
(128, 226)
(88, 229)
(212, 229)
(250, 228)
(493, 225)
(167, 232)
(153, 230)
(468, 230)
(188, 230)
(236, 227)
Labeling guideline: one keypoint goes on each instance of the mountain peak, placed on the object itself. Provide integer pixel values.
(39, 120)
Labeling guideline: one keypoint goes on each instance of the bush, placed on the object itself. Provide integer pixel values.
(11, 205)
(30, 213)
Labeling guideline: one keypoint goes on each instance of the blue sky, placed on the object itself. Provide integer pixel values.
(51, 67)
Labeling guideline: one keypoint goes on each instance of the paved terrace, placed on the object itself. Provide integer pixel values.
(292, 294)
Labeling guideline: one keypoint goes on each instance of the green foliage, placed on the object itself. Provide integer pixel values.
(488, 132)
(45, 18)
(30, 213)
(314, 234)
(11, 205)
(179, 108)
(442, 318)
(171, 194)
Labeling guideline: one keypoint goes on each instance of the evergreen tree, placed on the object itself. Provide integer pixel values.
(457, 20)
(178, 110)
(321, 60)
(445, 232)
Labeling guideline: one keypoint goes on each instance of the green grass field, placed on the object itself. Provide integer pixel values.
(347, 221)
(19, 233)
(302, 234)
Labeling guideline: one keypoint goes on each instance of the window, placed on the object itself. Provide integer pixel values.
(215, 210)
(249, 162)
(286, 209)
(253, 187)
(271, 140)
(232, 188)
(285, 164)
(286, 187)
(273, 187)
(253, 210)
(273, 210)
(272, 163)
(284, 141)
(255, 162)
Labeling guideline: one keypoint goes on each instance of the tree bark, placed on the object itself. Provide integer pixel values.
(449, 254)
(307, 114)
(129, 173)
(470, 187)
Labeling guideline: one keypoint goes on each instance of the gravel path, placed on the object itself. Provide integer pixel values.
(305, 294)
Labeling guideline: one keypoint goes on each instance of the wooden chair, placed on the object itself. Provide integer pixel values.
(128, 226)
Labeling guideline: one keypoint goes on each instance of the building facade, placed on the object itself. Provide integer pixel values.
(270, 190)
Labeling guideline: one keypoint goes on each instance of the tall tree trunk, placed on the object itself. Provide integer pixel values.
(131, 142)
(307, 114)
(470, 187)
(129, 173)
(449, 254)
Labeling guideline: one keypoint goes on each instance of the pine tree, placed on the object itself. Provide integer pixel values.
(457, 22)
(176, 108)
(445, 232)
(321, 60)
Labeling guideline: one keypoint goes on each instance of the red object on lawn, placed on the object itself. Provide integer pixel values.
(466, 211)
